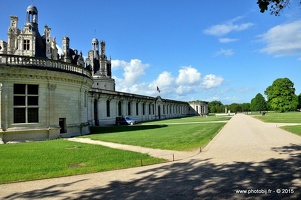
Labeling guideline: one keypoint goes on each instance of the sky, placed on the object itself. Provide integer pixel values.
(191, 49)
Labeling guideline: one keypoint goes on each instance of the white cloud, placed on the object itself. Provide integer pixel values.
(227, 27)
(212, 80)
(224, 52)
(188, 80)
(164, 80)
(227, 40)
(283, 39)
(188, 75)
(133, 70)
(118, 64)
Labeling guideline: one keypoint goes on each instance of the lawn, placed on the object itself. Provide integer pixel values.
(293, 129)
(56, 158)
(162, 136)
(189, 120)
(288, 117)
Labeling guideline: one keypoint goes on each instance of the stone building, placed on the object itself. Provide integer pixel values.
(45, 95)
(198, 108)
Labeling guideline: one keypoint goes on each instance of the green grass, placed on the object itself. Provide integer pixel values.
(56, 158)
(189, 120)
(161, 136)
(293, 129)
(289, 117)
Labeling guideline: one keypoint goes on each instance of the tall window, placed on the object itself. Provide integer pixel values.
(129, 108)
(26, 103)
(26, 45)
(149, 109)
(119, 108)
(137, 111)
(143, 109)
(153, 109)
(108, 108)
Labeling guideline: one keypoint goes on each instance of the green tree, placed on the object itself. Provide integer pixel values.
(299, 101)
(281, 95)
(216, 107)
(275, 6)
(246, 107)
(258, 103)
(235, 107)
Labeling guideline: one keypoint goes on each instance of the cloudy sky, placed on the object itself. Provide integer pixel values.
(192, 49)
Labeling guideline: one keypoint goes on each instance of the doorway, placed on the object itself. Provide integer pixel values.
(62, 123)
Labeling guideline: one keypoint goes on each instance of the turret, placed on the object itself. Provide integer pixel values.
(12, 42)
(66, 44)
(48, 42)
(32, 14)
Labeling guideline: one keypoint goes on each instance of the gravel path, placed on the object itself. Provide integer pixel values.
(165, 154)
(248, 159)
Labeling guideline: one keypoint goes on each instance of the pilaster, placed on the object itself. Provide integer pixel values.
(0, 109)
(1, 134)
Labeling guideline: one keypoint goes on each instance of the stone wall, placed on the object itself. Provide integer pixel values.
(105, 106)
(61, 95)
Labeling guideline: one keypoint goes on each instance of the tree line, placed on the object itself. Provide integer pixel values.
(280, 96)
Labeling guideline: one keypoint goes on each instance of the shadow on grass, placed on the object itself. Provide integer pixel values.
(114, 129)
(200, 179)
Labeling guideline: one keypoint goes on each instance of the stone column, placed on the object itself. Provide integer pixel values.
(51, 121)
(0, 106)
(4, 108)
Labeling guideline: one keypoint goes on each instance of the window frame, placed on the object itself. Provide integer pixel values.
(27, 112)
(26, 44)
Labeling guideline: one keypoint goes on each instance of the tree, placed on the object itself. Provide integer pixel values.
(216, 107)
(276, 6)
(299, 101)
(235, 107)
(258, 103)
(281, 95)
(245, 107)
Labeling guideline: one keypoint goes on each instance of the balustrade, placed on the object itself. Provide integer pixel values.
(15, 60)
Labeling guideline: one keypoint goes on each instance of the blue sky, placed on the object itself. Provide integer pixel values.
(191, 49)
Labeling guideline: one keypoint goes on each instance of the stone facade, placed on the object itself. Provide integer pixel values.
(198, 108)
(45, 95)
(58, 106)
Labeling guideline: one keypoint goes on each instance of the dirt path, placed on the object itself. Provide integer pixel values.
(248, 159)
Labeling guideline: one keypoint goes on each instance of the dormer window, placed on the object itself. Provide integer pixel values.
(26, 45)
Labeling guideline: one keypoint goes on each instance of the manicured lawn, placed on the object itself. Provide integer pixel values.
(162, 136)
(293, 129)
(56, 158)
(189, 120)
(289, 117)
